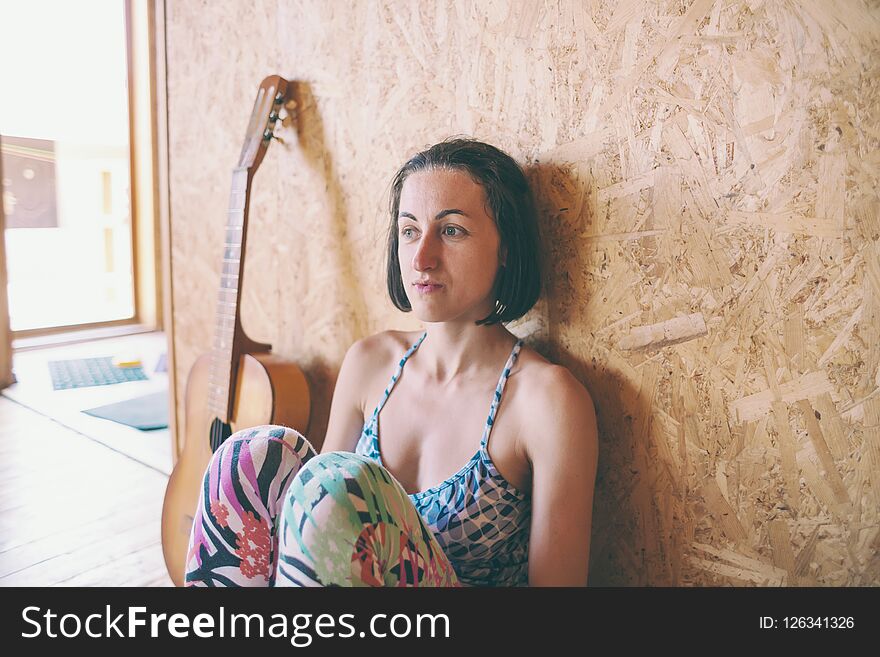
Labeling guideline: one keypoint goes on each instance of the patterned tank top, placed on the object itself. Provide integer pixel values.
(479, 519)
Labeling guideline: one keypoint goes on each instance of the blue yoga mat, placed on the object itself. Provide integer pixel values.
(145, 413)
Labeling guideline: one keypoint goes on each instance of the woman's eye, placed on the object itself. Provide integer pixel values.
(449, 231)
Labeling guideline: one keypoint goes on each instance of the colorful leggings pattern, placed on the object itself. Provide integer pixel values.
(272, 512)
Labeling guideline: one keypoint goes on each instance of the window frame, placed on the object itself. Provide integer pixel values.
(145, 50)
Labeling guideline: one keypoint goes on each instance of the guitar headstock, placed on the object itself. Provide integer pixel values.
(271, 97)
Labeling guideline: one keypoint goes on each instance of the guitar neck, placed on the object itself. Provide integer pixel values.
(228, 335)
(230, 342)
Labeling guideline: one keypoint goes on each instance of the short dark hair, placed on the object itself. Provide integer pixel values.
(518, 283)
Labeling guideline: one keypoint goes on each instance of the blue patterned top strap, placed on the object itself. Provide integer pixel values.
(499, 390)
(397, 374)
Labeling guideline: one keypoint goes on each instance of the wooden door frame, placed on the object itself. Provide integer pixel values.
(5, 332)
(162, 185)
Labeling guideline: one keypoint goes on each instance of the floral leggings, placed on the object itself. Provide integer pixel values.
(272, 512)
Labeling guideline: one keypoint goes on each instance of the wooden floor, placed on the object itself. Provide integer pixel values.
(73, 512)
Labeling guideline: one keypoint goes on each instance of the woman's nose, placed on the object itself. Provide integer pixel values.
(425, 256)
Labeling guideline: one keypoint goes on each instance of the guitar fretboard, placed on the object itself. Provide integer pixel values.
(225, 324)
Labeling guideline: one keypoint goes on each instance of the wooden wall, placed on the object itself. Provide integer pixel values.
(707, 174)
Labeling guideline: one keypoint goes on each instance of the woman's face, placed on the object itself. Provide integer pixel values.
(446, 237)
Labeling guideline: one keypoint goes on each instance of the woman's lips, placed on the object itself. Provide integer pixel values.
(427, 289)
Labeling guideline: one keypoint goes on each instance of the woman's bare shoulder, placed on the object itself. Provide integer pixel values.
(380, 349)
(534, 369)
(548, 388)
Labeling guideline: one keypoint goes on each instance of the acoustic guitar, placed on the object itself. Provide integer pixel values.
(238, 384)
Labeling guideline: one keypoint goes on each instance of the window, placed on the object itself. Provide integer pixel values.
(65, 128)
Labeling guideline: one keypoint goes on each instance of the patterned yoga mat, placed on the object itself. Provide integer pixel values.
(84, 372)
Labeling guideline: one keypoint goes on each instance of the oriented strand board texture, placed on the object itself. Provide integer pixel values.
(707, 174)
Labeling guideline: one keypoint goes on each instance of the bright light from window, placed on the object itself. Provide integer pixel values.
(64, 121)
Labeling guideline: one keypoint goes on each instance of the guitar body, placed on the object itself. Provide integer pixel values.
(268, 391)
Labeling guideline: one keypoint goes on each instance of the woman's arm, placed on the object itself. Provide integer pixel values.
(562, 444)
(347, 408)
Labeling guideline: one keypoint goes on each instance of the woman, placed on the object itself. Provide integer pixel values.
(401, 509)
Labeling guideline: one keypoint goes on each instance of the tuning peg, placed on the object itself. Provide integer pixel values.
(268, 134)
(279, 97)
(273, 116)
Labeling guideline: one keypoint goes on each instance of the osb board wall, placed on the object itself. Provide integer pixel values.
(706, 173)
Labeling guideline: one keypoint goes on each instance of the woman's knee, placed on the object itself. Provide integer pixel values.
(338, 490)
(257, 463)
(338, 474)
(266, 446)
(260, 438)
